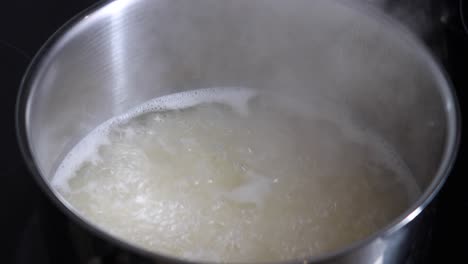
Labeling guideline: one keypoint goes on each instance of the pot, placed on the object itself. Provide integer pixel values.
(118, 54)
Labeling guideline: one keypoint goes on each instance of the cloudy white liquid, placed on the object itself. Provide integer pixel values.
(229, 175)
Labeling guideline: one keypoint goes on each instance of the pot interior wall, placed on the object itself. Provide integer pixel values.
(320, 51)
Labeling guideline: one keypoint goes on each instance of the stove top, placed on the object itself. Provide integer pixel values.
(34, 231)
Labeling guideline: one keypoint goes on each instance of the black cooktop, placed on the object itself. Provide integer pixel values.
(33, 230)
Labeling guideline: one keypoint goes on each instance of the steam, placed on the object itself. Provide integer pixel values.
(420, 16)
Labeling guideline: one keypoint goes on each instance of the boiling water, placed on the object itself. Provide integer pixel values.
(229, 175)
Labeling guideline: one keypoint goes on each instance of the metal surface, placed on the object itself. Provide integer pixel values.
(463, 14)
(120, 54)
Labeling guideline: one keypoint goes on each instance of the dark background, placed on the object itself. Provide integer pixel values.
(33, 231)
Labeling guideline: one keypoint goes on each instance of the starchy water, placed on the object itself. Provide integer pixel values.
(230, 175)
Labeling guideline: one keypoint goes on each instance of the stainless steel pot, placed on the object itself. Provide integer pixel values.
(118, 54)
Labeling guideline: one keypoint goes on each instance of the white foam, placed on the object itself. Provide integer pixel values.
(259, 183)
(86, 149)
(319, 108)
(254, 191)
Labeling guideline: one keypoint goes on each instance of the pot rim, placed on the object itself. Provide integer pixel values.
(452, 113)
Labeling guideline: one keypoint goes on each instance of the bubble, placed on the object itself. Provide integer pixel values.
(86, 149)
(212, 175)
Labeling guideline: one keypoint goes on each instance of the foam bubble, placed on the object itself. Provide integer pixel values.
(254, 191)
(319, 108)
(87, 149)
(233, 179)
